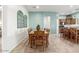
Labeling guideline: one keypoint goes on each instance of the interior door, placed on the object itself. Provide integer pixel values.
(47, 22)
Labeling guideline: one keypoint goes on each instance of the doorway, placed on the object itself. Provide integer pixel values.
(47, 22)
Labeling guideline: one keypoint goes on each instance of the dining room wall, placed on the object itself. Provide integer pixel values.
(12, 35)
(76, 16)
(0, 18)
(38, 18)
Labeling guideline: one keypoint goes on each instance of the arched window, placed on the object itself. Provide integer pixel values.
(25, 21)
(19, 19)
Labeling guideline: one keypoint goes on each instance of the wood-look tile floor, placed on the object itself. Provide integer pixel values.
(0, 45)
(56, 45)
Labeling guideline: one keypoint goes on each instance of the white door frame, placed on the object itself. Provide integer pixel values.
(49, 26)
(57, 25)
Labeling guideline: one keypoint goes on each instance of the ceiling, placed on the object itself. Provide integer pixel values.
(60, 9)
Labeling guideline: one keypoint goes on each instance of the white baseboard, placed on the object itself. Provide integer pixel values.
(9, 51)
(17, 44)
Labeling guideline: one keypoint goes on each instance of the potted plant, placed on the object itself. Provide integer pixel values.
(38, 27)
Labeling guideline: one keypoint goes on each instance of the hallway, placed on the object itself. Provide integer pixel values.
(56, 45)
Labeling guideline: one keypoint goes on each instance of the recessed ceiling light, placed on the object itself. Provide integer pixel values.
(61, 13)
(71, 6)
(37, 7)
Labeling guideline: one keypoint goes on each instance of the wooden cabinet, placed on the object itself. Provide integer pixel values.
(73, 21)
(61, 25)
(69, 21)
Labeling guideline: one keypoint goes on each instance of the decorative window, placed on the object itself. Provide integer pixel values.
(21, 19)
(25, 21)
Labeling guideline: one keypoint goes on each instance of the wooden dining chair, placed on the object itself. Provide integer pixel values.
(65, 34)
(29, 30)
(39, 32)
(47, 30)
(46, 37)
(32, 38)
(77, 36)
(73, 35)
(40, 42)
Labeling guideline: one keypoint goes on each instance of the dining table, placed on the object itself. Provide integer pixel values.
(32, 37)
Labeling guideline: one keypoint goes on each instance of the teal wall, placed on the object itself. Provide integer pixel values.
(35, 19)
(62, 17)
(76, 15)
(38, 18)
